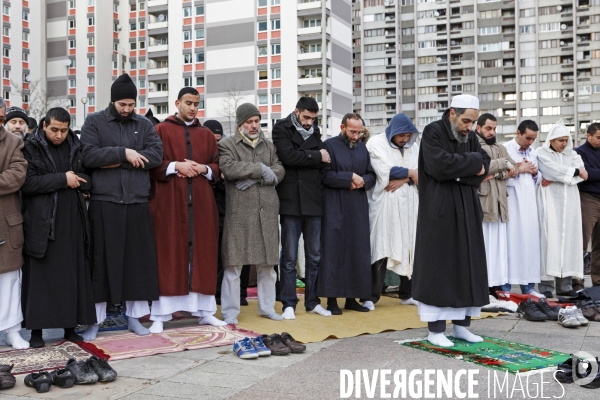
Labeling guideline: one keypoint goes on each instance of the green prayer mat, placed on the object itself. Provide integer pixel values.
(495, 353)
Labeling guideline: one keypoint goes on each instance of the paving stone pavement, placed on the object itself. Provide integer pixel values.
(216, 373)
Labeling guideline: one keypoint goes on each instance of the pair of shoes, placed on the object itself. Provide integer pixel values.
(7, 379)
(248, 348)
(92, 370)
(283, 344)
(531, 311)
(40, 381)
(571, 317)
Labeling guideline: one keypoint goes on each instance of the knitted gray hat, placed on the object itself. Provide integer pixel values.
(245, 111)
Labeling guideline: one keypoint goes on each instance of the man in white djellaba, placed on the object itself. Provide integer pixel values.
(522, 228)
(559, 215)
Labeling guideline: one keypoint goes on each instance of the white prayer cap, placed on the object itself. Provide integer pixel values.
(559, 130)
(465, 101)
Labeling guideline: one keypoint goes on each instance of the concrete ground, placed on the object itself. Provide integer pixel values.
(217, 373)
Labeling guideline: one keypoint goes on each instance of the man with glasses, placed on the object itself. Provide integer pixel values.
(345, 266)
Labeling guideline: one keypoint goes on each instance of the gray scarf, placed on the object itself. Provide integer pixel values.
(305, 134)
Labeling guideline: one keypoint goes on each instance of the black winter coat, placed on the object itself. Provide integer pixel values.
(300, 191)
(450, 267)
(40, 198)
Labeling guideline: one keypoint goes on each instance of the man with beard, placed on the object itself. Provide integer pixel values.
(493, 198)
(16, 121)
(301, 151)
(450, 274)
(345, 267)
(120, 147)
(185, 216)
(57, 283)
(393, 206)
(251, 169)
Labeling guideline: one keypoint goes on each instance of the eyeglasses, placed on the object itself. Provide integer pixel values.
(354, 133)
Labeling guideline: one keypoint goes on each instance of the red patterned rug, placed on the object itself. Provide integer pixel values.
(130, 345)
(46, 358)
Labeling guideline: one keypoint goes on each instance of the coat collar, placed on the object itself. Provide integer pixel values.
(176, 120)
(297, 137)
(239, 138)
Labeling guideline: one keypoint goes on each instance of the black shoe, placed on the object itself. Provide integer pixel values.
(36, 340)
(595, 384)
(102, 369)
(39, 380)
(243, 301)
(63, 378)
(332, 306)
(114, 308)
(7, 380)
(352, 304)
(548, 294)
(551, 312)
(82, 371)
(570, 293)
(71, 336)
(530, 311)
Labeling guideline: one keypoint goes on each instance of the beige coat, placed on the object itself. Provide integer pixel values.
(492, 193)
(13, 168)
(251, 229)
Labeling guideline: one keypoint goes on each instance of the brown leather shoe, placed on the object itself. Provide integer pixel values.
(276, 345)
(7, 380)
(6, 368)
(289, 341)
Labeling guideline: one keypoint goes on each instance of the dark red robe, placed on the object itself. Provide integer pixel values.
(177, 222)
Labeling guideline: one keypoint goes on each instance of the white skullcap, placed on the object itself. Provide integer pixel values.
(465, 101)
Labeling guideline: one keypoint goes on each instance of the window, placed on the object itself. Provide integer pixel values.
(72, 44)
(549, 78)
(25, 16)
(72, 83)
(116, 8)
(263, 75)
(133, 7)
(527, 29)
(142, 6)
(489, 14)
(405, 32)
(276, 98)
(199, 81)
(550, 27)
(527, 62)
(6, 52)
(488, 80)
(550, 110)
(162, 109)
(427, 120)
(187, 81)
(529, 112)
(527, 12)
(187, 58)
(187, 36)
(549, 94)
(549, 60)
(6, 73)
(91, 21)
(132, 45)
(263, 99)
(187, 12)
(6, 10)
(6, 95)
(73, 63)
(116, 47)
(142, 25)
(482, 48)
(528, 78)
(142, 83)
(71, 4)
(262, 50)
(6, 31)
(199, 33)
(91, 61)
(91, 101)
(456, 88)
(408, 92)
(275, 24)
(91, 81)
(25, 57)
(25, 98)
(311, 23)
(142, 45)
(584, 90)
(408, 76)
(91, 2)
(489, 30)
(200, 57)
(199, 10)
(91, 41)
(262, 3)
(262, 26)
(528, 95)
(133, 26)
(468, 25)
(26, 36)
(132, 65)
(142, 64)
(114, 64)
(275, 49)
(72, 24)
(381, 32)
(596, 88)
(276, 73)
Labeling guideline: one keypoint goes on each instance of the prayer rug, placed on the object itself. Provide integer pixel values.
(495, 353)
(45, 358)
(130, 345)
(113, 322)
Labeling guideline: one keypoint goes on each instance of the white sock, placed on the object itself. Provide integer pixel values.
(91, 332)
(211, 320)
(15, 340)
(288, 313)
(137, 328)
(460, 332)
(156, 327)
(321, 311)
(369, 304)
(439, 339)
(274, 316)
(409, 302)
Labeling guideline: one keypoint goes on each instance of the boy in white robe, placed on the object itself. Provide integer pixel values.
(559, 211)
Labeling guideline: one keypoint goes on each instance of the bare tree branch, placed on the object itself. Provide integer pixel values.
(233, 97)
(40, 101)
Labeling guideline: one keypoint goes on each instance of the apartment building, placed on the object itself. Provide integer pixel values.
(524, 59)
(268, 52)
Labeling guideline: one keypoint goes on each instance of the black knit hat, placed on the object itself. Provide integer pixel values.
(16, 112)
(32, 123)
(214, 126)
(151, 117)
(123, 88)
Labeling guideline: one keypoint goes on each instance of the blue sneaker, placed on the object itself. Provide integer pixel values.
(243, 348)
(260, 347)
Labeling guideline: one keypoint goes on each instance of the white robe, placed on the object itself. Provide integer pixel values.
(393, 216)
(522, 228)
(496, 252)
(10, 300)
(559, 211)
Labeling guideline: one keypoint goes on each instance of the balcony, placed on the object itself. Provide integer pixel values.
(158, 47)
(309, 6)
(154, 3)
(159, 93)
(158, 25)
(314, 30)
(315, 55)
(310, 81)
